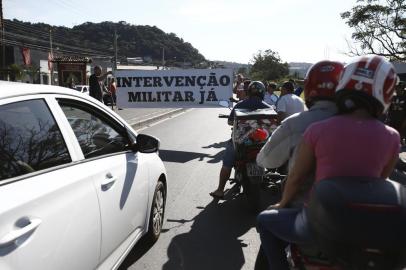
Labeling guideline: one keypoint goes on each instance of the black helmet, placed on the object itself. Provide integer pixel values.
(256, 88)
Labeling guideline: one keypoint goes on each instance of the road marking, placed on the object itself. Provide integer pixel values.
(163, 120)
(143, 116)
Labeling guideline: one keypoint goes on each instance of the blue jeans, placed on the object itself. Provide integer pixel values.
(277, 228)
(229, 155)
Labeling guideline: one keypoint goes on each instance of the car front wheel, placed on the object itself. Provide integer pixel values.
(157, 212)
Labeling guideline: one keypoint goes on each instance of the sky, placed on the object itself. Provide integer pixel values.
(228, 30)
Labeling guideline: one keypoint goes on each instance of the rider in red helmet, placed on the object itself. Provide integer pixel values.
(319, 88)
(341, 146)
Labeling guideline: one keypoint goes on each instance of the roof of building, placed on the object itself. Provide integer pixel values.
(71, 59)
(137, 67)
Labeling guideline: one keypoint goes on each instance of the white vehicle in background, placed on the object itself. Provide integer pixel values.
(82, 88)
(78, 186)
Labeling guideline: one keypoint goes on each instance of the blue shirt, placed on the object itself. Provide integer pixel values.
(251, 103)
(298, 91)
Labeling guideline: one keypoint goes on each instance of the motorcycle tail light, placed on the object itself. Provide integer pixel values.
(259, 135)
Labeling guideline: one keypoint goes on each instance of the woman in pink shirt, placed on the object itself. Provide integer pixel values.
(353, 143)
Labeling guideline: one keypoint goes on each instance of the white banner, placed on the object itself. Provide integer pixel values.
(192, 88)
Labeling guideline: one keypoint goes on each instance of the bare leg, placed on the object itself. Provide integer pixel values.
(224, 176)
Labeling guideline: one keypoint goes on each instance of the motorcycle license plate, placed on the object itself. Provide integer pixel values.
(254, 170)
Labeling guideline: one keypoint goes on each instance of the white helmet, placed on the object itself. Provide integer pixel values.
(371, 74)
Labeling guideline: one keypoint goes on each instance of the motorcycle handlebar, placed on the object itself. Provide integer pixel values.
(223, 115)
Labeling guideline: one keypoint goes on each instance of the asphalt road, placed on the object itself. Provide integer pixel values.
(137, 116)
(198, 233)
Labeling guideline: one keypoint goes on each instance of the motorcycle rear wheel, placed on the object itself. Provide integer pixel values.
(253, 193)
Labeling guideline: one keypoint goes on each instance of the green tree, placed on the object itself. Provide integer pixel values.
(17, 72)
(33, 72)
(267, 66)
(379, 28)
(243, 71)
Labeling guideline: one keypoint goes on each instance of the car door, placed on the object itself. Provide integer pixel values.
(121, 178)
(49, 211)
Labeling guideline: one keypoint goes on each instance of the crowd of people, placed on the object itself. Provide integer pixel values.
(350, 124)
(289, 100)
(326, 135)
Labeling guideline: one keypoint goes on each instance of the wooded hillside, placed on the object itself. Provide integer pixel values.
(97, 39)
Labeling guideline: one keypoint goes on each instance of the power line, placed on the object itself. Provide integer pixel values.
(29, 30)
(21, 34)
(73, 7)
(20, 27)
(46, 49)
(67, 5)
(55, 43)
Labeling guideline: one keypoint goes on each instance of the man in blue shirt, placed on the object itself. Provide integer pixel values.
(270, 97)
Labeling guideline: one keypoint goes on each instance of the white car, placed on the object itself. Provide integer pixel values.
(78, 186)
(82, 88)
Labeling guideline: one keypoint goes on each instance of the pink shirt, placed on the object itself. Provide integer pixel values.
(345, 146)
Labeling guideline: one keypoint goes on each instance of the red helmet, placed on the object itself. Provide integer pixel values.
(373, 75)
(259, 135)
(322, 79)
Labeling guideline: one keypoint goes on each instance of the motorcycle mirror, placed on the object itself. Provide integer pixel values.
(224, 103)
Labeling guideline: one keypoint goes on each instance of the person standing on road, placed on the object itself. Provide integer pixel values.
(113, 90)
(95, 83)
(240, 86)
(288, 103)
(270, 97)
(72, 84)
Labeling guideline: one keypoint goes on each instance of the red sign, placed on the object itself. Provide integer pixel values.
(50, 58)
(26, 56)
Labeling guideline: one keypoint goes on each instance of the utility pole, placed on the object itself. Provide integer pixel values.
(52, 55)
(163, 57)
(2, 41)
(115, 49)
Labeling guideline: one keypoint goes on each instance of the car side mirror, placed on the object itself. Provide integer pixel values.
(146, 144)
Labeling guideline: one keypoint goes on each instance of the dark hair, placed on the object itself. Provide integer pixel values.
(312, 100)
(256, 89)
(246, 84)
(272, 85)
(288, 86)
(350, 100)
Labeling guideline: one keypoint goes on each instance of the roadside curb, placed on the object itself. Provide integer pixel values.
(145, 122)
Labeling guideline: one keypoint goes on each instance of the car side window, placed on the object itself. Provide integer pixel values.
(30, 139)
(97, 133)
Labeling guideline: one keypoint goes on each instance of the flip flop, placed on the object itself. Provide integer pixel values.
(215, 196)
